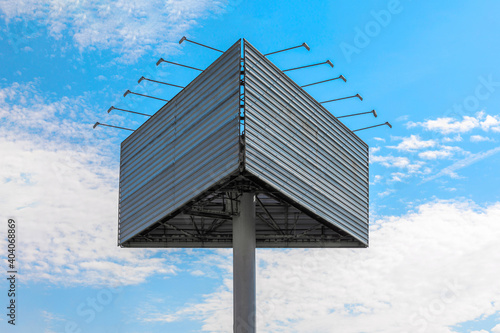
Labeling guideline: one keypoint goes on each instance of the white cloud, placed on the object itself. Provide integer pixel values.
(161, 317)
(491, 122)
(480, 138)
(59, 182)
(398, 176)
(386, 193)
(379, 139)
(481, 331)
(413, 143)
(496, 329)
(423, 272)
(435, 154)
(128, 28)
(376, 179)
(197, 273)
(397, 162)
(447, 125)
(456, 138)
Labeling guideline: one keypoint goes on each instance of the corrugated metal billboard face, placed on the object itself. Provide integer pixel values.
(186, 147)
(183, 170)
(300, 149)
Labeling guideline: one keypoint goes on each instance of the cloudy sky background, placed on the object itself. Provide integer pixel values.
(431, 69)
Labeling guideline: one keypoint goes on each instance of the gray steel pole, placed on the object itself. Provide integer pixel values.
(244, 304)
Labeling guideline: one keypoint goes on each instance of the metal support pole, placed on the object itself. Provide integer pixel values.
(244, 304)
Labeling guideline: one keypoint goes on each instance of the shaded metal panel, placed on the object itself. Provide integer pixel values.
(297, 146)
(277, 225)
(185, 148)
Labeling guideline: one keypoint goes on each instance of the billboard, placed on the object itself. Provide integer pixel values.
(243, 125)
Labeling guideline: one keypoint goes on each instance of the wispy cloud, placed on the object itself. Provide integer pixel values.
(435, 154)
(413, 143)
(480, 138)
(51, 321)
(128, 28)
(397, 162)
(398, 176)
(456, 138)
(376, 179)
(64, 177)
(386, 192)
(470, 159)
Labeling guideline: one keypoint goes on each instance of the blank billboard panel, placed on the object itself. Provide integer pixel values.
(187, 146)
(295, 145)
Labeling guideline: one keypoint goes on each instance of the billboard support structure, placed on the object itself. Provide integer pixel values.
(244, 290)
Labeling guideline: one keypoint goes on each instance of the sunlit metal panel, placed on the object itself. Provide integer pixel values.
(299, 148)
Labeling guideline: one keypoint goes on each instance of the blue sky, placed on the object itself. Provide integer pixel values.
(430, 68)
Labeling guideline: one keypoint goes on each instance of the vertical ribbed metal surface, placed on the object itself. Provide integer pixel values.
(186, 147)
(302, 150)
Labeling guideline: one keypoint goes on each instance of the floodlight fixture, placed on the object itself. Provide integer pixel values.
(131, 92)
(290, 48)
(142, 114)
(386, 123)
(208, 47)
(336, 78)
(357, 114)
(338, 99)
(123, 128)
(168, 84)
(174, 63)
(321, 63)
